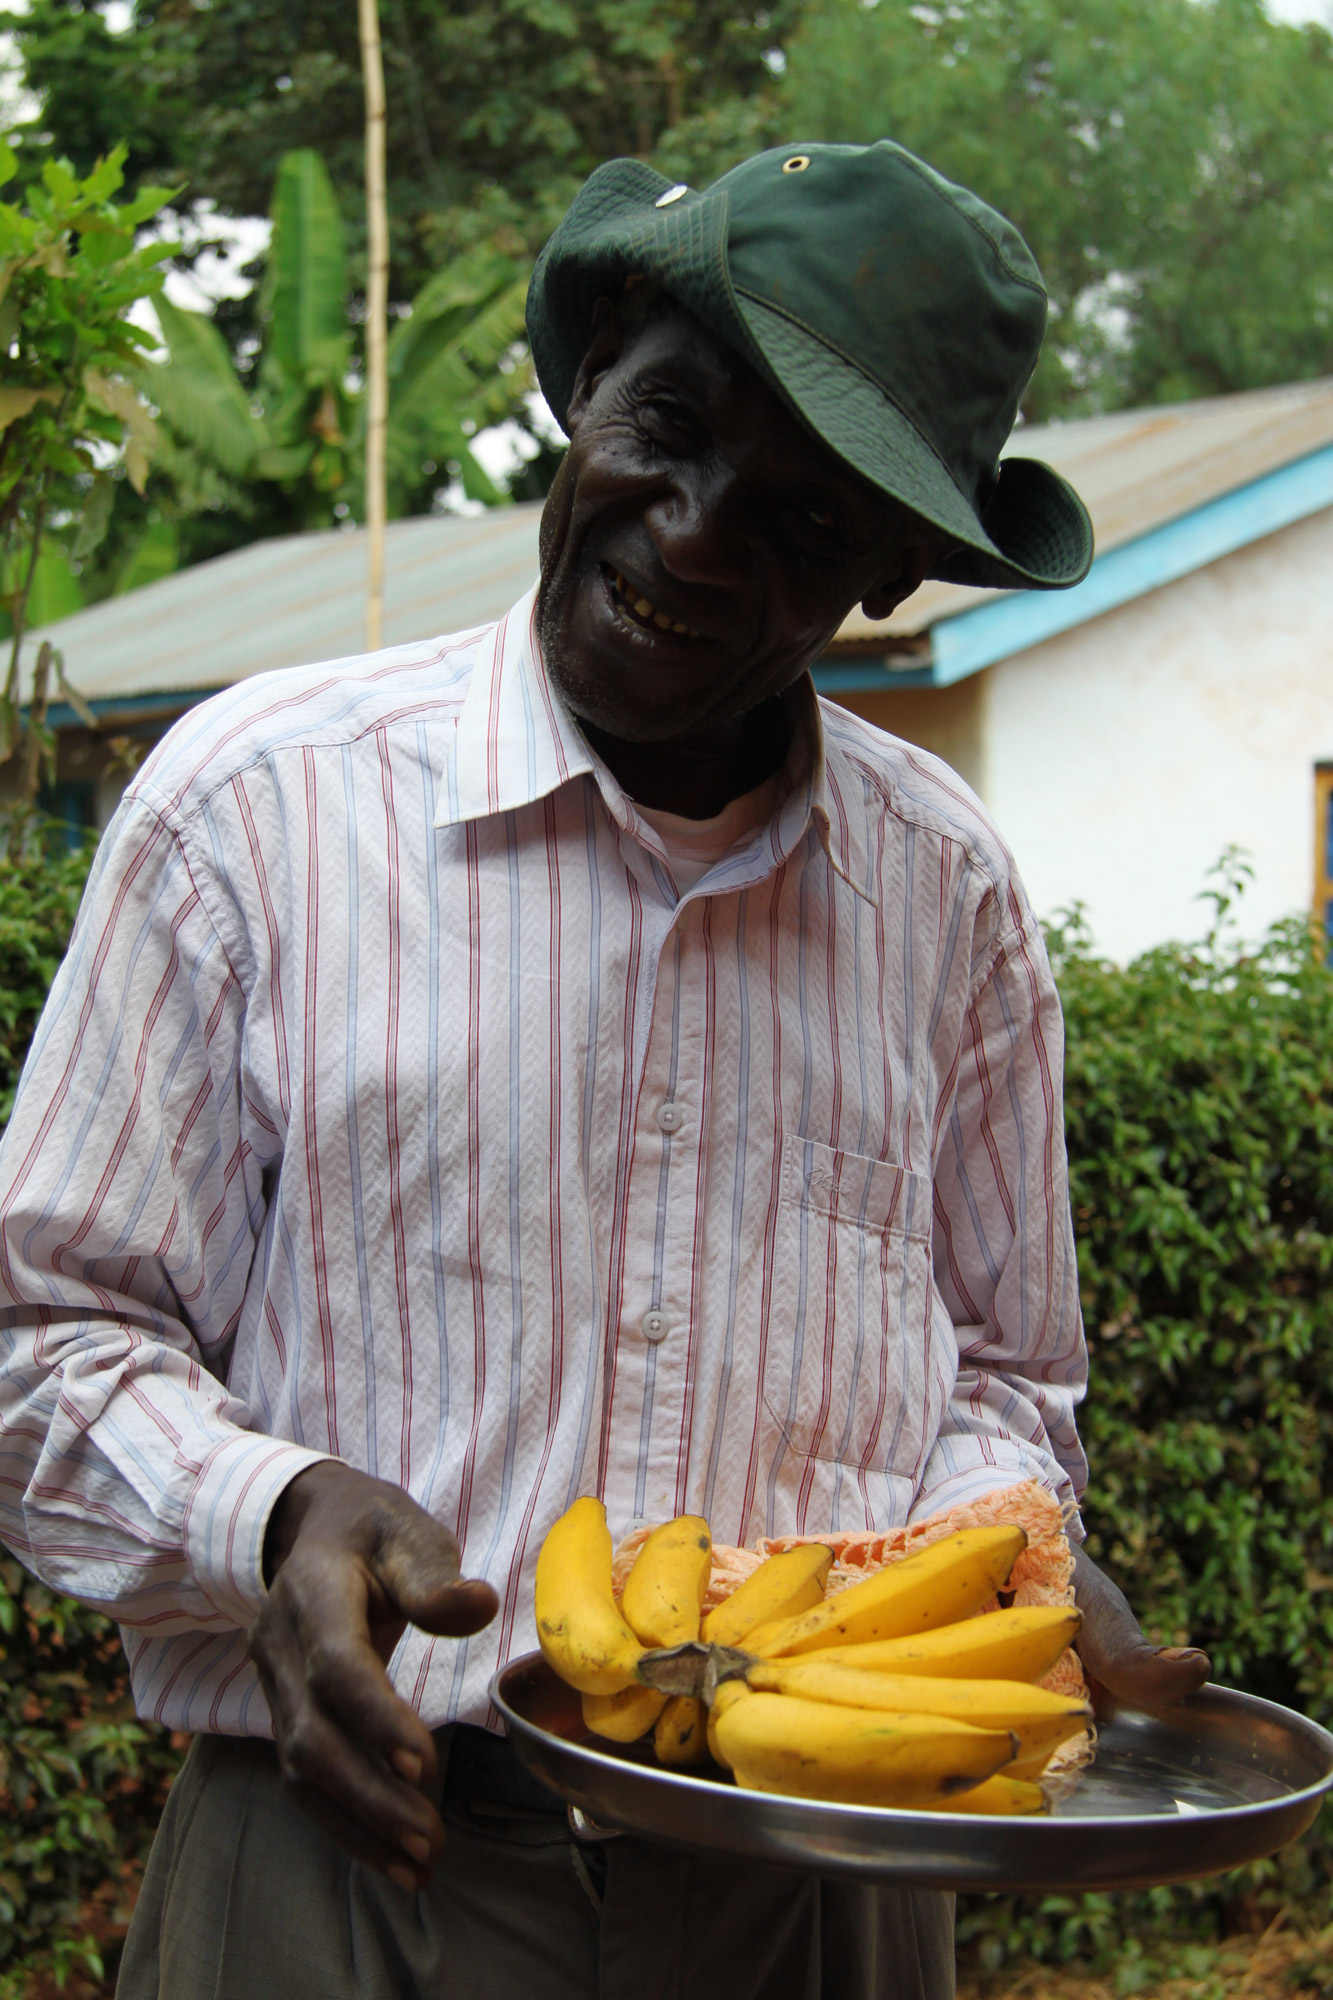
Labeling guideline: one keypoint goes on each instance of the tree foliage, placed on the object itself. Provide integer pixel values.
(497, 109)
(282, 444)
(1170, 162)
(70, 272)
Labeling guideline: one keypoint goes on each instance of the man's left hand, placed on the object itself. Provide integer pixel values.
(1116, 1657)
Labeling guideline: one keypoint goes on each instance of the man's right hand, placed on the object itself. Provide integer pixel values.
(350, 1562)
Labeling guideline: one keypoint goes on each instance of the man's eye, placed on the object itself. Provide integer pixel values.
(670, 420)
(815, 513)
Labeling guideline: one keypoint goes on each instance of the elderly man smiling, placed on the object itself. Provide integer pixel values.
(562, 1058)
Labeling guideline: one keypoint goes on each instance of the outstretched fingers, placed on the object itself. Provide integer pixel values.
(350, 1750)
(351, 1562)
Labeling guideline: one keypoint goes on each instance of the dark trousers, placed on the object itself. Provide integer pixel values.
(246, 1899)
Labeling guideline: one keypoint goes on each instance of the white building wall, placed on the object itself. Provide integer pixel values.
(1122, 757)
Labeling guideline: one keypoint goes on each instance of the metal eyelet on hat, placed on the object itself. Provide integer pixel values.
(672, 194)
(797, 164)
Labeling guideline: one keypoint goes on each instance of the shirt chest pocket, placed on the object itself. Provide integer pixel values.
(847, 1361)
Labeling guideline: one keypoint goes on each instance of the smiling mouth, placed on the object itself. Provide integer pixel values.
(642, 612)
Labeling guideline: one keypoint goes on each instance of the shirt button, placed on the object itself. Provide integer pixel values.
(670, 1117)
(654, 1325)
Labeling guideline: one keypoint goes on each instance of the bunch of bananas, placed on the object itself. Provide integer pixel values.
(892, 1693)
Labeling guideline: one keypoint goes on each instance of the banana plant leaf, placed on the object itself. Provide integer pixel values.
(198, 392)
(463, 324)
(306, 284)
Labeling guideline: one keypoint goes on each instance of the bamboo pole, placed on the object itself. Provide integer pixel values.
(41, 689)
(377, 307)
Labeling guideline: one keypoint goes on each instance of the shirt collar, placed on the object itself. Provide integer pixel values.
(516, 743)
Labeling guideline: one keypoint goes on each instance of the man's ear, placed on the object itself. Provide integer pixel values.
(605, 348)
(918, 558)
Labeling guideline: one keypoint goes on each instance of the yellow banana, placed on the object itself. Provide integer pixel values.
(948, 1581)
(663, 1599)
(623, 1717)
(728, 1693)
(1021, 1644)
(681, 1735)
(789, 1582)
(1038, 1719)
(579, 1626)
(1001, 1794)
(814, 1750)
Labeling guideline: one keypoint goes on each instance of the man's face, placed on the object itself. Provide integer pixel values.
(699, 546)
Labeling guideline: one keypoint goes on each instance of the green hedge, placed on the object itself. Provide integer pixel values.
(43, 867)
(81, 1782)
(1199, 1114)
(1199, 1106)
(1200, 1125)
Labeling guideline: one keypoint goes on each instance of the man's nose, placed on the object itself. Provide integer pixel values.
(703, 528)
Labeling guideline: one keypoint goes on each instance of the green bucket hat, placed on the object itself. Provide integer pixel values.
(896, 314)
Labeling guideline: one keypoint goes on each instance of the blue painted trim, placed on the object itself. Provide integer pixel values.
(851, 676)
(61, 716)
(1007, 625)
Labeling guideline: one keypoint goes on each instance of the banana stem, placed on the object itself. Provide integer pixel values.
(693, 1669)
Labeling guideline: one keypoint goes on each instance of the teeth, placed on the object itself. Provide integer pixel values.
(661, 619)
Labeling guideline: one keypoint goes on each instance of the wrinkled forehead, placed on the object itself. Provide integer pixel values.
(667, 346)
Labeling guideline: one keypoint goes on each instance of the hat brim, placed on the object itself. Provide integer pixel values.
(1033, 531)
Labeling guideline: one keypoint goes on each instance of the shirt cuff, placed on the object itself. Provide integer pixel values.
(228, 1511)
(963, 1474)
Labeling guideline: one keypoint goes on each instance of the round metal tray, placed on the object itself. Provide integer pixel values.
(1220, 1780)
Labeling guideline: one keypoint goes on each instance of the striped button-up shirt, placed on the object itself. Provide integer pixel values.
(391, 1104)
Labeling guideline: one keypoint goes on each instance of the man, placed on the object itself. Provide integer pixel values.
(557, 1059)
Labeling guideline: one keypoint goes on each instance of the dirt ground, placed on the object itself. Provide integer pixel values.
(1276, 1966)
(1279, 1965)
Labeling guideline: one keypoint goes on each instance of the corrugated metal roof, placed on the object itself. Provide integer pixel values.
(1138, 469)
(298, 598)
(293, 599)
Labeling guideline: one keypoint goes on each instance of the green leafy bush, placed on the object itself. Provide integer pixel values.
(81, 1782)
(1200, 1124)
(42, 872)
(71, 273)
(1199, 1114)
